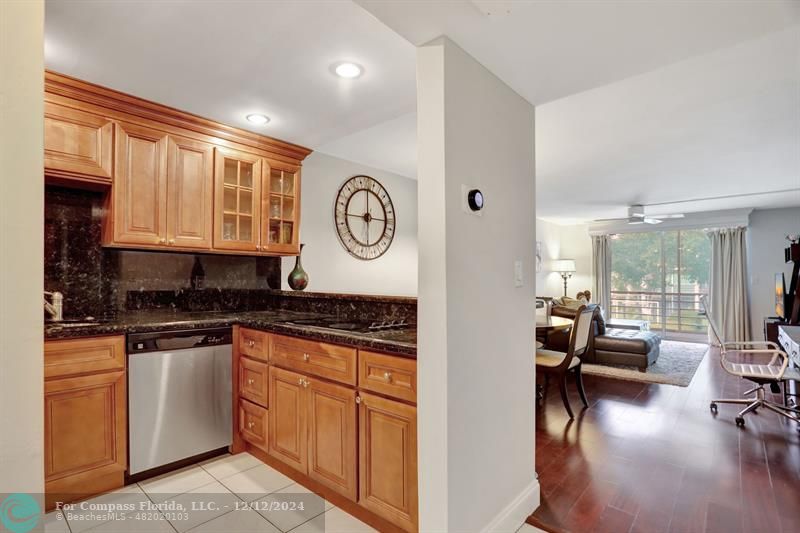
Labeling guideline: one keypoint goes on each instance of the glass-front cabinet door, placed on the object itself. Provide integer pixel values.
(237, 188)
(280, 224)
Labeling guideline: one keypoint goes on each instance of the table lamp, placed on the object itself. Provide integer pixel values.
(565, 267)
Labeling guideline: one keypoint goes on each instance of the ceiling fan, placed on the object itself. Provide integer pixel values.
(636, 215)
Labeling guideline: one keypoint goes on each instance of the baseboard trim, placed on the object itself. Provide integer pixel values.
(511, 518)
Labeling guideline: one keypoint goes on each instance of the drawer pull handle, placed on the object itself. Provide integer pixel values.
(250, 425)
(306, 357)
(250, 381)
(251, 343)
(387, 376)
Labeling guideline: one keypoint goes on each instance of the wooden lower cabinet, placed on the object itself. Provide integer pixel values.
(85, 435)
(253, 422)
(388, 459)
(288, 440)
(332, 447)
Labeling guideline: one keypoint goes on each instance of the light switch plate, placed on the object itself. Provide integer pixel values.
(518, 281)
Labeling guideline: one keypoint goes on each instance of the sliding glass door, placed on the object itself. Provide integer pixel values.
(659, 276)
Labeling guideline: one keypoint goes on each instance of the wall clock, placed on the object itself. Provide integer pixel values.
(364, 217)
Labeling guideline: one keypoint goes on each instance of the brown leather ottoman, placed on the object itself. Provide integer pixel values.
(625, 347)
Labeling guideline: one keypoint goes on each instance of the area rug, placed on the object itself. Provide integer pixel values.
(676, 365)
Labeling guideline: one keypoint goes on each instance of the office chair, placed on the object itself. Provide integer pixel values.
(771, 373)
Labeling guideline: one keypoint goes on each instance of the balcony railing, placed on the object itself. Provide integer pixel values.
(667, 312)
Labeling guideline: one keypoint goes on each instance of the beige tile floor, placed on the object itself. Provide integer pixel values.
(209, 498)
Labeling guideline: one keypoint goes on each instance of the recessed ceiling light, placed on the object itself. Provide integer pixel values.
(348, 70)
(257, 118)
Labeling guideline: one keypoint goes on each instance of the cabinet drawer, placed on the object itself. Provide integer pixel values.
(253, 343)
(253, 381)
(253, 423)
(71, 357)
(329, 361)
(387, 374)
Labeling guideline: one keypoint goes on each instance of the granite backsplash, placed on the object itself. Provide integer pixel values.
(99, 281)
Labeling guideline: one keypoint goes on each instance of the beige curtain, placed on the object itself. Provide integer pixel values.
(601, 272)
(728, 299)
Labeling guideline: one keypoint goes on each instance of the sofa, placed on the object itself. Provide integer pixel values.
(609, 346)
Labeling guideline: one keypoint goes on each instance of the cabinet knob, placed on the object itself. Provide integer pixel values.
(306, 357)
(258, 247)
(358, 399)
(250, 424)
(251, 343)
(305, 383)
(162, 240)
(172, 241)
(251, 381)
(387, 376)
(300, 381)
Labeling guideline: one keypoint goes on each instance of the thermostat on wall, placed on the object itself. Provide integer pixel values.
(472, 200)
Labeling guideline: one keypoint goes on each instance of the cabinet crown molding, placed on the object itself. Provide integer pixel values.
(67, 86)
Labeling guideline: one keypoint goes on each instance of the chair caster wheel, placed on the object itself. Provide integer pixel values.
(740, 421)
(713, 407)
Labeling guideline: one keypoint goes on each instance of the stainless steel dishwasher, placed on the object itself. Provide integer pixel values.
(179, 396)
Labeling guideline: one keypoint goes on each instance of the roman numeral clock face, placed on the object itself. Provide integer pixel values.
(365, 218)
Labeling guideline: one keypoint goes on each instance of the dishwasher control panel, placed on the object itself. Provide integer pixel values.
(178, 340)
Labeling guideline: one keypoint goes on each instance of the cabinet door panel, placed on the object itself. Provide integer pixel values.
(190, 188)
(287, 418)
(140, 187)
(77, 143)
(237, 200)
(85, 425)
(388, 459)
(332, 456)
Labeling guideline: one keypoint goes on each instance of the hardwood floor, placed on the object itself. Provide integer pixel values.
(652, 458)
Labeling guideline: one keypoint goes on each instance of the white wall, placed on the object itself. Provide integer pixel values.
(563, 242)
(330, 267)
(476, 329)
(766, 241)
(21, 246)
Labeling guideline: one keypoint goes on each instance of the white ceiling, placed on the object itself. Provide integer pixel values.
(548, 49)
(707, 104)
(223, 59)
(726, 124)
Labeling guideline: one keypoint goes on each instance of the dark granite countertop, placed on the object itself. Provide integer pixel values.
(398, 341)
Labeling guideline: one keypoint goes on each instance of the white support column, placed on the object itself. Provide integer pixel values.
(21, 245)
(476, 325)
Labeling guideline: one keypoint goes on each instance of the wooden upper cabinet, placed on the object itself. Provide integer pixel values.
(388, 459)
(190, 193)
(280, 221)
(77, 144)
(237, 200)
(139, 205)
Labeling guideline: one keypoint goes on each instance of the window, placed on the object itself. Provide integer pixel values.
(659, 276)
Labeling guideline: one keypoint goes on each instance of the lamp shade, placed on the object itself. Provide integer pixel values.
(564, 265)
